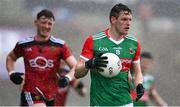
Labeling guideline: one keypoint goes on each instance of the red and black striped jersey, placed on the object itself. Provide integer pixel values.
(42, 61)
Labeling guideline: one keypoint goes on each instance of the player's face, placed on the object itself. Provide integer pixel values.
(44, 26)
(122, 23)
(146, 64)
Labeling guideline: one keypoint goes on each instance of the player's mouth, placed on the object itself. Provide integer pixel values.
(45, 31)
(126, 28)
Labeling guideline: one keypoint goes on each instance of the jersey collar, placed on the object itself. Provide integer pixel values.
(35, 39)
(114, 41)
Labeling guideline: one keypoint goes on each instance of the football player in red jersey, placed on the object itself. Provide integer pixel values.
(76, 84)
(42, 54)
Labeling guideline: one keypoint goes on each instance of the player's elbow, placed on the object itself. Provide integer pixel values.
(11, 57)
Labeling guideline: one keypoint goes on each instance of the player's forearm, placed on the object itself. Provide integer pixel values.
(161, 102)
(71, 73)
(157, 98)
(139, 78)
(138, 74)
(80, 70)
(10, 62)
(71, 61)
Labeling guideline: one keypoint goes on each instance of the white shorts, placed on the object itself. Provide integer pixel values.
(127, 105)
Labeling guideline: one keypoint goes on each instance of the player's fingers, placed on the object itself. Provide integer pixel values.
(103, 57)
(21, 74)
(102, 62)
(100, 69)
(101, 65)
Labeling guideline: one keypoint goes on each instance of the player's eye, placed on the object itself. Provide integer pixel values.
(50, 23)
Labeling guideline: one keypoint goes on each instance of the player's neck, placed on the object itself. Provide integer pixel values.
(115, 35)
(41, 38)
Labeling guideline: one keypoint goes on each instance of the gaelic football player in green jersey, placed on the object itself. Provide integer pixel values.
(112, 91)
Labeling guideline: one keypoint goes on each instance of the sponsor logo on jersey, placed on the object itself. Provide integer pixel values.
(103, 49)
(41, 62)
(126, 64)
(117, 50)
(126, 60)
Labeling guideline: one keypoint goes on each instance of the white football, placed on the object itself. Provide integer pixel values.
(113, 67)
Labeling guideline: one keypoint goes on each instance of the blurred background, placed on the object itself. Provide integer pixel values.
(155, 22)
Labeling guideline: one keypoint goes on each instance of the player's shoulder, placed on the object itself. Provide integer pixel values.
(26, 40)
(131, 37)
(57, 40)
(99, 35)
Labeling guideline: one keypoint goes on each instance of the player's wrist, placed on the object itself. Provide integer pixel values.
(11, 72)
(64, 81)
(140, 85)
(69, 77)
(88, 64)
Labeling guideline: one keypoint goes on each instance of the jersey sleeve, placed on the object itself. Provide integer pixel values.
(87, 51)
(137, 55)
(18, 50)
(66, 52)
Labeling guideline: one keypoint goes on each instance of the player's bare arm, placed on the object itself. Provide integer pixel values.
(11, 58)
(15, 77)
(71, 61)
(80, 70)
(138, 73)
(64, 81)
(138, 80)
(154, 95)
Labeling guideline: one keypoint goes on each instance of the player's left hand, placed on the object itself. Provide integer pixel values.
(140, 91)
(81, 89)
(16, 77)
(63, 82)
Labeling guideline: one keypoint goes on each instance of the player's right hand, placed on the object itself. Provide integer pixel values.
(140, 91)
(97, 62)
(63, 82)
(16, 78)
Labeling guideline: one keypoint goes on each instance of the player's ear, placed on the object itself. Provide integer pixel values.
(113, 19)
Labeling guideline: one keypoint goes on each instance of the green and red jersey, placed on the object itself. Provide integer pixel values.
(111, 91)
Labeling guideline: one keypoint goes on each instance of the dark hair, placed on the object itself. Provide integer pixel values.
(146, 55)
(45, 12)
(117, 9)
